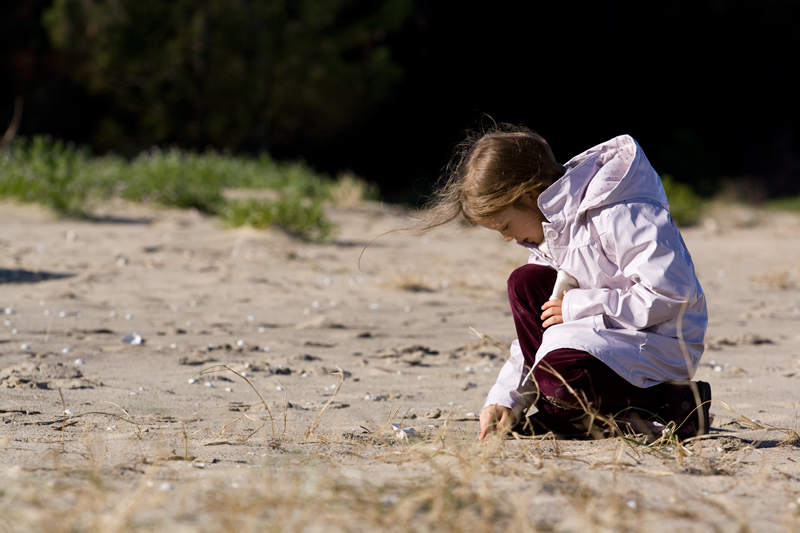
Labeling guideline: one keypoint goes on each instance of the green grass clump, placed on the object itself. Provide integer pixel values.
(296, 215)
(47, 172)
(685, 206)
(71, 181)
(784, 204)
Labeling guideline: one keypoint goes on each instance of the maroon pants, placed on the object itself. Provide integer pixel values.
(529, 287)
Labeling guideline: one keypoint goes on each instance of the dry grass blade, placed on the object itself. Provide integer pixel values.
(130, 418)
(315, 423)
(392, 416)
(793, 437)
(220, 368)
(285, 407)
(483, 336)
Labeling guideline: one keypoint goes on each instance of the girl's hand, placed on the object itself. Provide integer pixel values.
(552, 313)
(495, 417)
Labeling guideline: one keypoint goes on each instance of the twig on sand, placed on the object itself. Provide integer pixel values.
(220, 368)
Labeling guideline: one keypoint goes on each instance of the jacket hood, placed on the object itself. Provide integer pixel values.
(611, 172)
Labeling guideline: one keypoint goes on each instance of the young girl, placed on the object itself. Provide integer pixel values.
(622, 334)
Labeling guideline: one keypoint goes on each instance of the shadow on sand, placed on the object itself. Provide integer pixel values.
(15, 275)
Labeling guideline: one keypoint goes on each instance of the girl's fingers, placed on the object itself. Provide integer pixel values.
(557, 319)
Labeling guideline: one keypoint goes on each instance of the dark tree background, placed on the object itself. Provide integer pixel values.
(386, 87)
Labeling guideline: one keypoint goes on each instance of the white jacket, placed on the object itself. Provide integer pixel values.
(608, 225)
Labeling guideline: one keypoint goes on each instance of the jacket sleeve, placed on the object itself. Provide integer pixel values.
(655, 268)
(511, 389)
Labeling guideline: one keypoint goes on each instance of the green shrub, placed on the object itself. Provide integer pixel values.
(70, 181)
(685, 206)
(784, 204)
(48, 172)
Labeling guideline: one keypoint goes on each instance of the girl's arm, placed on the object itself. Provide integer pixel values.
(650, 254)
(507, 391)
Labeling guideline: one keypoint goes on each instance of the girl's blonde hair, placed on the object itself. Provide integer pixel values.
(489, 172)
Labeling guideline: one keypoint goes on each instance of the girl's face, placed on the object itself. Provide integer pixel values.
(521, 222)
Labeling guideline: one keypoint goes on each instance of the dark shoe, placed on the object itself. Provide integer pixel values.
(691, 419)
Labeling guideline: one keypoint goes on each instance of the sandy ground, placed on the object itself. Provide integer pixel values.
(148, 443)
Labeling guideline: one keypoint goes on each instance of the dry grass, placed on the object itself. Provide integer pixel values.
(318, 481)
(781, 278)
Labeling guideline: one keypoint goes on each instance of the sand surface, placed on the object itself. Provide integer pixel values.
(148, 444)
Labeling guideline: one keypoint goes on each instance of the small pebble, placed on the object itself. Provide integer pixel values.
(112, 313)
(407, 309)
(632, 504)
(374, 398)
(304, 375)
(240, 342)
(68, 412)
(250, 318)
(25, 347)
(14, 331)
(470, 414)
(279, 388)
(165, 487)
(62, 314)
(142, 389)
(315, 304)
(66, 350)
(208, 384)
(718, 368)
(262, 329)
(7, 322)
(228, 389)
(469, 369)
(80, 362)
(128, 316)
(192, 381)
(420, 378)
(134, 393)
(266, 349)
(46, 312)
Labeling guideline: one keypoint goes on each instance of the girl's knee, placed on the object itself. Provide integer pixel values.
(531, 275)
(563, 371)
